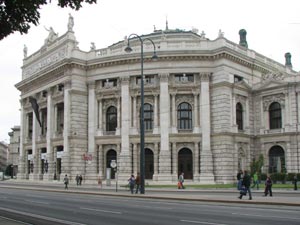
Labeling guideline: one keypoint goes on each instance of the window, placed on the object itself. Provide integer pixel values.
(109, 83)
(184, 77)
(184, 116)
(60, 118)
(148, 117)
(237, 78)
(111, 119)
(30, 123)
(239, 116)
(276, 160)
(275, 115)
(148, 79)
(44, 121)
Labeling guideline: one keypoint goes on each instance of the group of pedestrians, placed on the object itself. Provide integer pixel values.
(134, 183)
(78, 179)
(244, 184)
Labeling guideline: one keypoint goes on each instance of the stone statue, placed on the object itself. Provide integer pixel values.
(221, 33)
(52, 35)
(25, 51)
(70, 23)
(243, 41)
(93, 46)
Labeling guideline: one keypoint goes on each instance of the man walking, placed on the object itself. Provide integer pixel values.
(66, 181)
(246, 183)
(137, 183)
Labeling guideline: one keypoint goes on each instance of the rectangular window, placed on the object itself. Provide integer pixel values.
(185, 77)
(148, 79)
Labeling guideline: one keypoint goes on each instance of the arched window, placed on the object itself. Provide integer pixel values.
(111, 155)
(275, 115)
(239, 116)
(148, 117)
(184, 116)
(111, 119)
(276, 160)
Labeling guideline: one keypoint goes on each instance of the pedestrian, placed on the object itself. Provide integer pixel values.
(295, 182)
(255, 181)
(268, 186)
(80, 179)
(246, 184)
(66, 181)
(239, 178)
(77, 179)
(131, 182)
(100, 182)
(137, 183)
(181, 181)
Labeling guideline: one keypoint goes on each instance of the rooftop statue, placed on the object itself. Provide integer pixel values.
(243, 41)
(288, 61)
(51, 36)
(93, 46)
(70, 23)
(25, 51)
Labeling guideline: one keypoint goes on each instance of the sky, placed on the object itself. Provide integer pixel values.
(273, 28)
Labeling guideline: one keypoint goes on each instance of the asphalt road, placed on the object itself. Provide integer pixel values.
(43, 208)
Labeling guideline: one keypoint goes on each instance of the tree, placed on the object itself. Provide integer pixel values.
(257, 164)
(19, 15)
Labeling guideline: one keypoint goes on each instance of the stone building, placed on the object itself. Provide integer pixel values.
(14, 149)
(210, 108)
(3, 156)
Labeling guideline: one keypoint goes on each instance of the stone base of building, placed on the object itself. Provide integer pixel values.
(207, 178)
(164, 177)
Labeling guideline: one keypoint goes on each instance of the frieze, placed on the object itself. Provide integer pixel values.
(278, 76)
(45, 62)
(273, 98)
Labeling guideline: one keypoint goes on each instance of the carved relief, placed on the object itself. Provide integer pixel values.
(277, 75)
(185, 98)
(109, 102)
(164, 77)
(273, 98)
(205, 76)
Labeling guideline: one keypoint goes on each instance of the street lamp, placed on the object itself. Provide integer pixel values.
(128, 49)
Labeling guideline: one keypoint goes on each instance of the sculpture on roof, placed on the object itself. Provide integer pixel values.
(221, 33)
(25, 51)
(70, 23)
(51, 36)
(288, 61)
(243, 41)
(93, 46)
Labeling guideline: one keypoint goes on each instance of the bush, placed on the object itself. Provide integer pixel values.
(281, 177)
(263, 176)
(290, 176)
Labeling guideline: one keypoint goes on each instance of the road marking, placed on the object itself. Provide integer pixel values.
(278, 217)
(45, 203)
(100, 210)
(151, 207)
(201, 222)
(42, 217)
(18, 221)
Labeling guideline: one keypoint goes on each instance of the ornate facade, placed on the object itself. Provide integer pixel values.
(210, 108)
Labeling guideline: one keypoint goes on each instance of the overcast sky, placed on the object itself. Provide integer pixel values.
(273, 28)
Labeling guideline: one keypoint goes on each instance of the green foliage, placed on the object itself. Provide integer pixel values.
(278, 177)
(257, 164)
(19, 15)
(263, 176)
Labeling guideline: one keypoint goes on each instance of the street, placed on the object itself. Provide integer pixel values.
(43, 207)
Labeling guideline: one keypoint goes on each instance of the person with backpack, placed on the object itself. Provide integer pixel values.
(246, 184)
(131, 182)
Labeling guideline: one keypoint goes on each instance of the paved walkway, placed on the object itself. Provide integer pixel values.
(280, 196)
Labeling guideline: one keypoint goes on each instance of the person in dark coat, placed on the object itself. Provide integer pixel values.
(246, 184)
(137, 183)
(268, 186)
(239, 178)
(295, 182)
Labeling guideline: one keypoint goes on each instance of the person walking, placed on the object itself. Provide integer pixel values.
(295, 182)
(66, 181)
(77, 179)
(180, 181)
(80, 179)
(268, 186)
(239, 178)
(137, 183)
(100, 182)
(255, 181)
(246, 183)
(131, 183)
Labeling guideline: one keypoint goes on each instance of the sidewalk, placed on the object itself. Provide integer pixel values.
(286, 197)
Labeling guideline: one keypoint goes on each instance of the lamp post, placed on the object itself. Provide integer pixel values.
(128, 49)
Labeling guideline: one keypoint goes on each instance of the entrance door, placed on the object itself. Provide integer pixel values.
(185, 163)
(111, 155)
(149, 164)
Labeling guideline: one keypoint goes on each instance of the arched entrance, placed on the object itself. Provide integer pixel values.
(149, 164)
(111, 155)
(185, 163)
(276, 160)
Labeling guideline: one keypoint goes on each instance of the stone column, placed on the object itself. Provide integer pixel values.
(100, 117)
(156, 129)
(66, 132)
(246, 120)
(196, 114)
(206, 161)
(156, 161)
(196, 174)
(175, 161)
(174, 111)
(35, 129)
(165, 154)
(125, 160)
(91, 169)
(101, 162)
(22, 156)
(119, 125)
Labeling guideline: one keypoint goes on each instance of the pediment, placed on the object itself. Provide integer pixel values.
(242, 84)
(269, 84)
